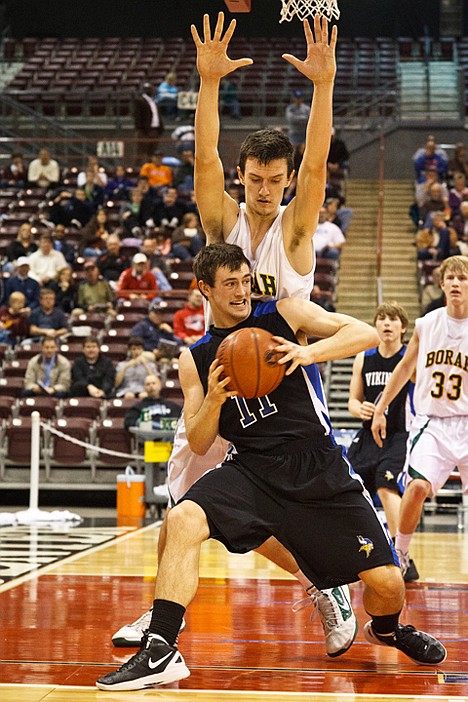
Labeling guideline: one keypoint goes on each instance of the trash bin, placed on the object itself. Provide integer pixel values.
(131, 494)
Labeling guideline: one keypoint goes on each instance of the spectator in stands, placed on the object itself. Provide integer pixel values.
(132, 215)
(47, 320)
(459, 162)
(438, 241)
(131, 374)
(341, 216)
(43, 171)
(94, 293)
(228, 97)
(137, 281)
(434, 203)
(14, 324)
(460, 223)
(48, 373)
(60, 244)
(23, 245)
(459, 192)
(22, 282)
(189, 323)
(184, 173)
(95, 235)
(156, 262)
(167, 95)
(92, 374)
(337, 162)
(94, 193)
(46, 262)
(119, 186)
(423, 187)
(320, 298)
(70, 207)
(157, 407)
(430, 155)
(100, 175)
(15, 174)
(184, 136)
(297, 116)
(189, 238)
(328, 238)
(170, 209)
(159, 175)
(65, 289)
(111, 262)
(432, 291)
(152, 330)
(148, 121)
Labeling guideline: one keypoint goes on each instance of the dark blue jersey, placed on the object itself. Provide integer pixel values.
(376, 372)
(295, 411)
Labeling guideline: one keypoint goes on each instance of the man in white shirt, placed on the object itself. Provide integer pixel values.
(328, 237)
(43, 171)
(148, 122)
(46, 262)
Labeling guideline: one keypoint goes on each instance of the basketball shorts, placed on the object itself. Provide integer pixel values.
(309, 499)
(436, 446)
(184, 467)
(378, 467)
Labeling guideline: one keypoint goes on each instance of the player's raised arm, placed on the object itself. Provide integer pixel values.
(301, 216)
(218, 211)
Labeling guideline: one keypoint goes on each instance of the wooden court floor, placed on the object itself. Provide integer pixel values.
(242, 641)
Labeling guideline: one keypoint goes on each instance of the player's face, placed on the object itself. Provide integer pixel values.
(389, 329)
(455, 287)
(230, 296)
(264, 185)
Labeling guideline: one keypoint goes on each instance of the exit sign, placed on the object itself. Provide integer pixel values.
(114, 149)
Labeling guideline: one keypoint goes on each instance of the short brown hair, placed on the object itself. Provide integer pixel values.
(456, 264)
(266, 145)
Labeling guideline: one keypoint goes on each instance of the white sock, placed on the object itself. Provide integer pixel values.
(305, 582)
(402, 542)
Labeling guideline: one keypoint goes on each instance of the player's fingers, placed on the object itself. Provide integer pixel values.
(324, 32)
(219, 26)
(292, 59)
(229, 31)
(292, 367)
(206, 28)
(334, 37)
(195, 35)
(238, 63)
(317, 28)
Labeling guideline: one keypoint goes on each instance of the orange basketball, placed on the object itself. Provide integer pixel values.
(250, 361)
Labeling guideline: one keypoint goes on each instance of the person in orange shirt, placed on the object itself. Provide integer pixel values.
(159, 175)
(137, 281)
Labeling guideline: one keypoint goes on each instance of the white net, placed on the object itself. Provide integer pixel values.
(306, 8)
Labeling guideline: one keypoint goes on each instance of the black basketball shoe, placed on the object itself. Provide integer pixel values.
(411, 574)
(156, 663)
(422, 648)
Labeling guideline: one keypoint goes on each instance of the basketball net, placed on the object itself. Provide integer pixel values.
(305, 8)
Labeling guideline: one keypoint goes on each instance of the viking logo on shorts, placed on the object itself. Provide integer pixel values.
(389, 475)
(366, 545)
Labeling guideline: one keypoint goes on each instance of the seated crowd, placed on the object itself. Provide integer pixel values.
(439, 212)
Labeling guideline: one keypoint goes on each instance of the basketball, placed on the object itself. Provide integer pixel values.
(250, 361)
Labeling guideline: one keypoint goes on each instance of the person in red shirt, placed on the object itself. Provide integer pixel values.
(159, 175)
(137, 281)
(189, 323)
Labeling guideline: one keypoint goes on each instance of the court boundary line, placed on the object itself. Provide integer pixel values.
(45, 570)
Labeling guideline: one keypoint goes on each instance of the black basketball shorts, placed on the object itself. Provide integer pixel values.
(378, 467)
(310, 500)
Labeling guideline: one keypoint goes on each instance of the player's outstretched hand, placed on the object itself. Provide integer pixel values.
(319, 65)
(212, 59)
(379, 428)
(297, 354)
(217, 384)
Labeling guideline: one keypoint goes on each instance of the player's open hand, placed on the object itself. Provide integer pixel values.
(217, 384)
(319, 65)
(379, 428)
(295, 353)
(212, 59)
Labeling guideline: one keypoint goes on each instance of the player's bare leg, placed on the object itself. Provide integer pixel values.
(391, 503)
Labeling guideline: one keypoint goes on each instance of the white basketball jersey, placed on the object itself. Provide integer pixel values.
(272, 274)
(442, 366)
